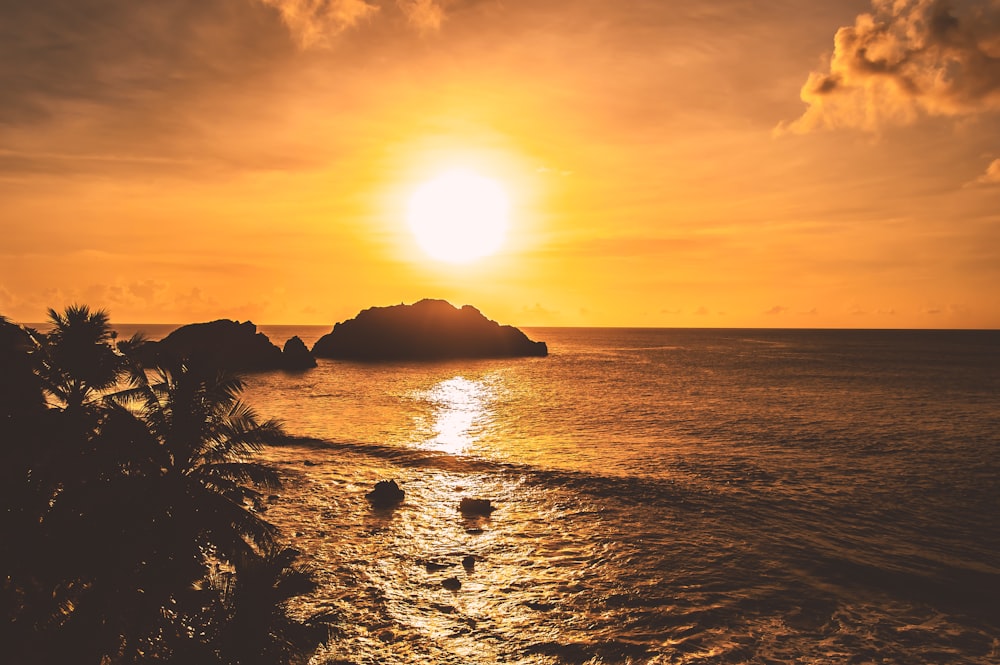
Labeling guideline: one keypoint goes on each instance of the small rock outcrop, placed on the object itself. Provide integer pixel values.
(476, 507)
(225, 344)
(295, 355)
(451, 583)
(425, 330)
(386, 494)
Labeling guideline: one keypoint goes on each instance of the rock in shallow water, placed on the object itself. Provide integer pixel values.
(386, 494)
(295, 355)
(451, 584)
(434, 566)
(472, 507)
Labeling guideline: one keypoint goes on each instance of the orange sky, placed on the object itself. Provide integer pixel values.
(779, 163)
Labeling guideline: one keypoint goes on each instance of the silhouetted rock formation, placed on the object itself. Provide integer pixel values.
(295, 355)
(386, 494)
(472, 507)
(426, 330)
(224, 344)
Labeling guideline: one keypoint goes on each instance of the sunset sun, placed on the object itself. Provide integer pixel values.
(459, 216)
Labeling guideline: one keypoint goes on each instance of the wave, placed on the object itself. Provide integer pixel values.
(849, 545)
(628, 490)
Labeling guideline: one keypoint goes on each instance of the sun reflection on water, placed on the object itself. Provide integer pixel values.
(461, 411)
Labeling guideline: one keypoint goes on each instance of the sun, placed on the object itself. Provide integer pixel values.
(459, 216)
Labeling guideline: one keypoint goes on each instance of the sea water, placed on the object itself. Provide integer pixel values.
(662, 496)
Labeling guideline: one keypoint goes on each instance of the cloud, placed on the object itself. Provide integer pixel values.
(316, 22)
(905, 59)
(8, 302)
(776, 310)
(538, 310)
(424, 15)
(991, 176)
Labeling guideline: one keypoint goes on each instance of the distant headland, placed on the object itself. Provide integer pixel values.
(229, 345)
(426, 330)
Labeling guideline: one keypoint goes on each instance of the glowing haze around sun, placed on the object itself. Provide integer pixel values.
(459, 216)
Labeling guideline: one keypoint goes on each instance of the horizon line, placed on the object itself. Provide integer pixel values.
(133, 324)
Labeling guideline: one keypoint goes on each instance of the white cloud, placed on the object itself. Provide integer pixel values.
(905, 59)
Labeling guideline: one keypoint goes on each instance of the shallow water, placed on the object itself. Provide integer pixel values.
(664, 496)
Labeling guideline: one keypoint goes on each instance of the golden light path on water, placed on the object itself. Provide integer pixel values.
(461, 411)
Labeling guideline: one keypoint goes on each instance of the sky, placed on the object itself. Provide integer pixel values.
(723, 163)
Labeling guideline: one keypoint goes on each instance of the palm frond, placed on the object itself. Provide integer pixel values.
(243, 473)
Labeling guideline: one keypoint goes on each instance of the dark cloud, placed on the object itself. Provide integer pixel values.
(133, 86)
(142, 86)
(127, 53)
(907, 58)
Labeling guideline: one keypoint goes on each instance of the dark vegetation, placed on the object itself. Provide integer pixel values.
(129, 523)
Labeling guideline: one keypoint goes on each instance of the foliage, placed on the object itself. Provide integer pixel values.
(125, 491)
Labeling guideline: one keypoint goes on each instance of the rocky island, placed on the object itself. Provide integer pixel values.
(425, 330)
(228, 345)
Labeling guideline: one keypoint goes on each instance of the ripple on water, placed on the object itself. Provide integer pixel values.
(568, 571)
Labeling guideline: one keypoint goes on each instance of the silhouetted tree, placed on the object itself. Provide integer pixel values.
(204, 439)
(259, 628)
(25, 423)
(79, 358)
(123, 503)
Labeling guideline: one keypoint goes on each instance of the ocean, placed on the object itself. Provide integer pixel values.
(662, 496)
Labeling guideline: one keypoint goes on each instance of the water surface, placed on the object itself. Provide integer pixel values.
(664, 496)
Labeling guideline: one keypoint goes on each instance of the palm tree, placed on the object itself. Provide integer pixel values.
(24, 495)
(175, 494)
(259, 628)
(79, 358)
(140, 493)
(205, 437)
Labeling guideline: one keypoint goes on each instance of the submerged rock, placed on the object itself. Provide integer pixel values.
(386, 494)
(425, 330)
(473, 507)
